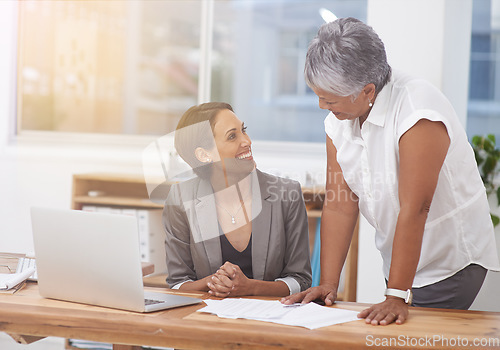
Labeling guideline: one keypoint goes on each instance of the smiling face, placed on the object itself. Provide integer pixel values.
(343, 107)
(231, 140)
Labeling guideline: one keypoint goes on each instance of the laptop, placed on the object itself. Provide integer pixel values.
(94, 258)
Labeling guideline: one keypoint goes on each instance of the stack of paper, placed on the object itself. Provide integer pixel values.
(304, 315)
(10, 280)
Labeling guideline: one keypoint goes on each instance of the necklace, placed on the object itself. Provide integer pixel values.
(233, 219)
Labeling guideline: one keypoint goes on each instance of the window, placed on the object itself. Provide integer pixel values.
(259, 49)
(106, 66)
(133, 67)
(484, 80)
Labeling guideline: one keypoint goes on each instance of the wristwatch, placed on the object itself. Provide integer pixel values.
(406, 295)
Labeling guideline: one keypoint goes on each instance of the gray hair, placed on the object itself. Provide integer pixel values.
(344, 57)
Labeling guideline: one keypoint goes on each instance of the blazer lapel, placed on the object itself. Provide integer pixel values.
(261, 225)
(206, 216)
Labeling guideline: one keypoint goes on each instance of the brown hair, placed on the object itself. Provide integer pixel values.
(192, 132)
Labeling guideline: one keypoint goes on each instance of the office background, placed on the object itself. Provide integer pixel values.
(256, 62)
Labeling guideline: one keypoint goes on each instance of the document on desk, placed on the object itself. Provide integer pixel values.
(10, 280)
(310, 315)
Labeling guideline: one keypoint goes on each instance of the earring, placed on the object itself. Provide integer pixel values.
(370, 104)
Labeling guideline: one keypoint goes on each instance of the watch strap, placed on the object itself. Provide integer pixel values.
(406, 295)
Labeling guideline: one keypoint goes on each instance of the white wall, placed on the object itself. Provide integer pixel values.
(429, 39)
(487, 298)
(8, 198)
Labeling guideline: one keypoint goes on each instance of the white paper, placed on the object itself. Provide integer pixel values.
(310, 315)
(10, 280)
(245, 308)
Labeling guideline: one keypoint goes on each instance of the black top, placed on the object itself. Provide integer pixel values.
(242, 259)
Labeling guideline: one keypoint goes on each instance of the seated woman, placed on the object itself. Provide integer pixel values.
(233, 230)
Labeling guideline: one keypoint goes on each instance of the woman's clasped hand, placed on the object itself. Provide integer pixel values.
(229, 280)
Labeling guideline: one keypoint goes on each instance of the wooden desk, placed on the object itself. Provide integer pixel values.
(27, 313)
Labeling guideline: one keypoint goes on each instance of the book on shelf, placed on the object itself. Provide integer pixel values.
(151, 235)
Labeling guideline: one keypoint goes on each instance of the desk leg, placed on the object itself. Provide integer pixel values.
(24, 339)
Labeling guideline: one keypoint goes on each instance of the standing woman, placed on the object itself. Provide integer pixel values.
(397, 153)
(233, 230)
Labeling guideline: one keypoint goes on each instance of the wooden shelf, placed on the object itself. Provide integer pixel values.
(156, 281)
(111, 190)
(115, 201)
(314, 198)
(314, 213)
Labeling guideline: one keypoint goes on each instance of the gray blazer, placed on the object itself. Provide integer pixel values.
(280, 240)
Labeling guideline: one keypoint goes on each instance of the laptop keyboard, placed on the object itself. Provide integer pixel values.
(26, 263)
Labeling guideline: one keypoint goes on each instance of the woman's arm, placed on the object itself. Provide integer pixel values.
(338, 219)
(422, 151)
(198, 285)
(296, 269)
(180, 264)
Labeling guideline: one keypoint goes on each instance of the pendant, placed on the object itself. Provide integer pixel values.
(233, 220)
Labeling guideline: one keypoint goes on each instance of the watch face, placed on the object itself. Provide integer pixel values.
(409, 298)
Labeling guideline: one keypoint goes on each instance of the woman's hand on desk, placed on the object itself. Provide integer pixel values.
(324, 292)
(389, 311)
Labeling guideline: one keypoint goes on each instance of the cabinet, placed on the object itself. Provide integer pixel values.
(129, 191)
